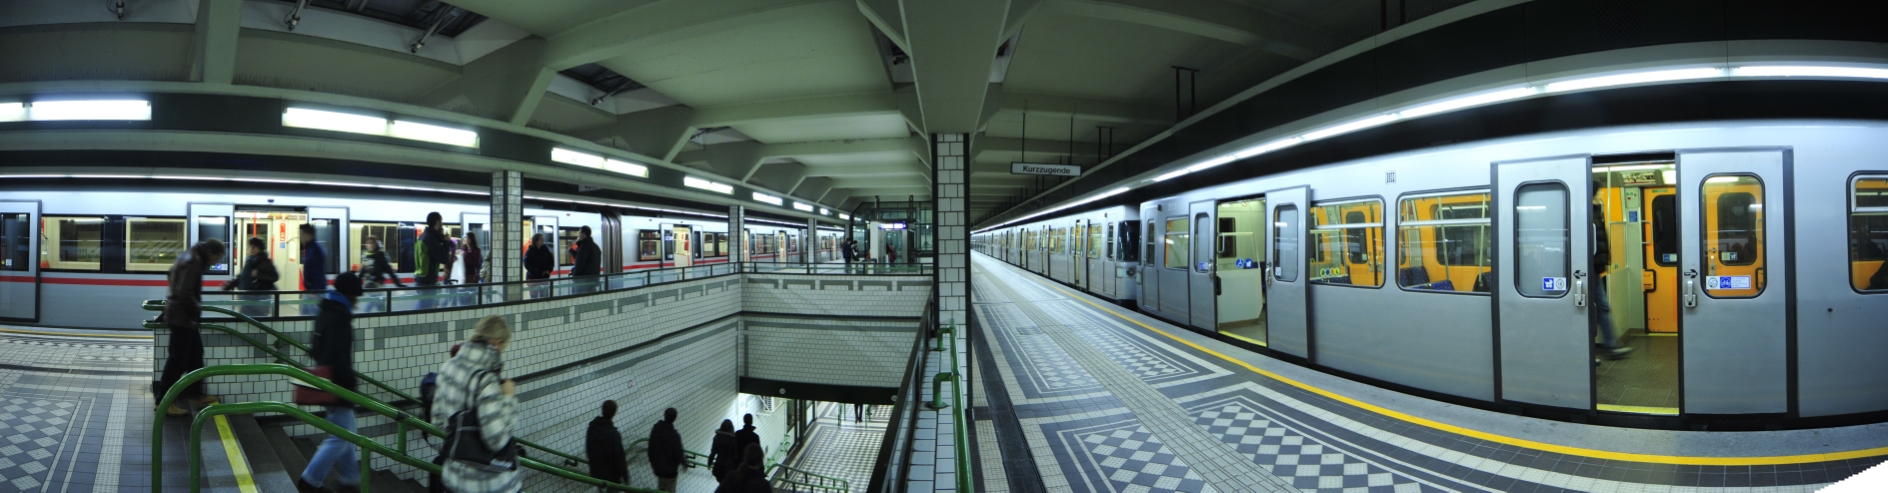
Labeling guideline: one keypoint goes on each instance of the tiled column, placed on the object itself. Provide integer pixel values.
(810, 252)
(953, 252)
(507, 229)
(737, 239)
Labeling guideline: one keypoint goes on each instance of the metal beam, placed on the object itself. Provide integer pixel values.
(762, 152)
(505, 85)
(780, 176)
(213, 59)
(953, 44)
(666, 22)
(1091, 109)
(658, 133)
(813, 188)
(888, 17)
(1223, 21)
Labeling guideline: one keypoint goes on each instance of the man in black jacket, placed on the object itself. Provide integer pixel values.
(747, 434)
(665, 451)
(604, 446)
(333, 347)
(589, 260)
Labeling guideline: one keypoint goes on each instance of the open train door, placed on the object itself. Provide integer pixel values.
(1541, 308)
(19, 260)
(1732, 241)
(1201, 276)
(684, 254)
(1287, 292)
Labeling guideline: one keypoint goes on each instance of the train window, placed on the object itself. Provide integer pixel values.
(1665, 229)
(1176, 243)
(1130, 232)
(1110, 243)
(16, 242)
(1347, 245)
(1285, 241)
(1442, 242)
(152, 244)
(1868, 233)
(328, 235)
(1150, 237)
(1733, 236)
(72, 243)
(1203, 228)
(1541, 239)
(567, 243)
(217, 227)
(1095, 243)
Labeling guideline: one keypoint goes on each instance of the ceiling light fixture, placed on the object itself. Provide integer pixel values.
(693, 182)
(115, 109)
(1634, 78)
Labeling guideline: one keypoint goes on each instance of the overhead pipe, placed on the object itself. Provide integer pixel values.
(451, 13)
(295, 16)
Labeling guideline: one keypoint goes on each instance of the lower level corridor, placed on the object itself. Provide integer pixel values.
(1108, 400)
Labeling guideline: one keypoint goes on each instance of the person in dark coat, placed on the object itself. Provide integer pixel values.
(665, 451)
(258, 274)
(751, 477)
(603, 444)
(538, 259)
(746, 436)
(314, 267)
(722, 456)
(333, 347)
(183, 307)
(473, 258)
(589, 261)
(375, 268)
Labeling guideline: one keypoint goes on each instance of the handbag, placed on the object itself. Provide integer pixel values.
(465, 440)
(308, 395)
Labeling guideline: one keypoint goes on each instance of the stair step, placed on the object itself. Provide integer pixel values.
(266, 468)
(295, 453)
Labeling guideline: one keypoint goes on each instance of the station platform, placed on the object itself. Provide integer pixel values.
(1110, 400)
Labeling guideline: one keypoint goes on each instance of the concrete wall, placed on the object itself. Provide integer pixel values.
(670, 345)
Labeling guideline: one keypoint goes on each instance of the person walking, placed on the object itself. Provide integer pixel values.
(858, 413)
(471, 382)
(603, 444)
(750, 477)
(332, 346)
(665, 451)
(314, 269)
(258, 274)
(431, 250)
(376, 270)
(183, 307)
(589, 261)
(723, 456)
(746, 436)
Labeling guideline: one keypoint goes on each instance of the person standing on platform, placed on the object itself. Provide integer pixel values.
(473, 257)
(603, 444)
(258, 274)
(665, 451)
(845, 251)
(314, 268)
(589, 262)
(332, 346)
(723, 456)
(538, 262)
(183, 307)
(429, 252)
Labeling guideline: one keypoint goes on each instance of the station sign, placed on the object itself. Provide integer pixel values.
(1045, 169)
(897, 226)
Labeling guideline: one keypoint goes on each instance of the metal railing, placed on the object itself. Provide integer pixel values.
(402, 420)
(890, 471)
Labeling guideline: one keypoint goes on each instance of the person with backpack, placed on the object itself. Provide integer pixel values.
(431, 250)
(429, 387)
(332, 346)
(665, 451)
(183, 308)
(258, 274)
(470, 385)
(722, 456)
(603, 445)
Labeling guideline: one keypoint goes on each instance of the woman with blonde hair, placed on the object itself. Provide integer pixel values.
(471, 382)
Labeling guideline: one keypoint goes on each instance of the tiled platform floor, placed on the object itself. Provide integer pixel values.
(75, 413)
(1108, 406)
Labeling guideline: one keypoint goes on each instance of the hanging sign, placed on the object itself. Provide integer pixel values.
(1045, 169)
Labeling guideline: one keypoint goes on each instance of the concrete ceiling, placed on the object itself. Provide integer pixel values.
(828, 100)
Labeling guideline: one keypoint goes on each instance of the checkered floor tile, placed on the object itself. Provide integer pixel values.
(1132, 461)
(1050, 370)
(1304, 462)
(34, 430)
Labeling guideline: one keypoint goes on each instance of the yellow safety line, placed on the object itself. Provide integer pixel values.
(237, 462)
(1518, 442)
(69, 334)
(1639, 409)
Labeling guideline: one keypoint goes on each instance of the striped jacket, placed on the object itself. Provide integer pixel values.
(497, 415)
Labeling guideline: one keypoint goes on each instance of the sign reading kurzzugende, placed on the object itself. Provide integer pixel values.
(1045, 169)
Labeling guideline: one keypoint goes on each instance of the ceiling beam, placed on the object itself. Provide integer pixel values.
(659, 23)
(1091, 109)
(1223, 21)
(780, 176)
(952, 44)
(761, 152)
(889, 18)
(658, 133)
(813, 188)
(505, 85)
(213, 54)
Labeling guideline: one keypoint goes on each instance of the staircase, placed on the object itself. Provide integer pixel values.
(277, 459)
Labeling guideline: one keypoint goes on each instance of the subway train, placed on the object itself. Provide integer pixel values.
(1738, 265)
(84, 253)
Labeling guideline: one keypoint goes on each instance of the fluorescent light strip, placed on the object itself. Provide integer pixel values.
(1172, 174)
(1211, 163)
(802, 207)
(824, 212)
(433, 133)
(334, 121)
(12, 112)
(568, 156)
(1351, 127)
(116, 109)
(693, 182)
(845, 216)
(768, 199)
(626, 167)
(1634, 78)
(1267, 147)
(1810, 71)
(1467, 101)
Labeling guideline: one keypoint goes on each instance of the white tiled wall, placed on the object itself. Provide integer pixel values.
(693, 368)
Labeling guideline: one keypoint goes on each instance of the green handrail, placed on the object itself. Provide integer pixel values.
(689, 456)
(158, 305)
(403, 419)
(961, 458)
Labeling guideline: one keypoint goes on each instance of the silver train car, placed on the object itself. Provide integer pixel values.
(83, 253)
(1713, 271)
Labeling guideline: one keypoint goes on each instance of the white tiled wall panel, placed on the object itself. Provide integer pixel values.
(866, 353)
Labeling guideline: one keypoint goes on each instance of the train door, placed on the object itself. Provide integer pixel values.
(280, 228)
(1542, 313)
(1078, 253)
(1150, 259)
(613, 243)
(1202, 278)
(560, 252)
(212, 221)
(1635, 266)
(19, 261)
(780, 242)
(1731, 247)
(684, 251)
(331, 233)
(1239, 268)
(1287, 323)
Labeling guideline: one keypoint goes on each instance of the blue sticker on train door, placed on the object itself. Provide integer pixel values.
(1553, 284)
(1632, 216)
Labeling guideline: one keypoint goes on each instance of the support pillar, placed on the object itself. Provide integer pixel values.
(737, 234)
(810, 253)
(952, 240)
(505, 261)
